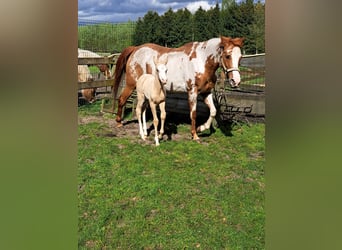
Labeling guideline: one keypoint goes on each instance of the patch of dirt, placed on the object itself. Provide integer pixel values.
(130, 129)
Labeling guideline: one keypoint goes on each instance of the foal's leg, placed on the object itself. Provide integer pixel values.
(144, 121)
(210, 103)
(155, 121)
(162, 118)
(138, 111)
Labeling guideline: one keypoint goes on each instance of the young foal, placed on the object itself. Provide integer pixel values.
(152, 88)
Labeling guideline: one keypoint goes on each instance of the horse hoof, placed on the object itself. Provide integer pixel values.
(196, 138)
(119, 125)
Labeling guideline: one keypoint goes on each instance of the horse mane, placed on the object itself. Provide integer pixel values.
(120, 67)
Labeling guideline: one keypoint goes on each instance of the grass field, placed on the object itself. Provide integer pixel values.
(180, 195)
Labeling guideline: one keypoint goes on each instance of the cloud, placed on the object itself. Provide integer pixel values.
(193, 6)
(122, 11)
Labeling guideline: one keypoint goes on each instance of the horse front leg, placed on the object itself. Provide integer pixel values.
(208, 100)
(162, 118)
(155, 122)
(138, 112)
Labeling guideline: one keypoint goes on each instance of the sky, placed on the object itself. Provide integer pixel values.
(131, 10)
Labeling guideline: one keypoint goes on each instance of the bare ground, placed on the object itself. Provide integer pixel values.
(130, 129)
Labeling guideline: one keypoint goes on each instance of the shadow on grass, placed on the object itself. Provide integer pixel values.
(173, 120)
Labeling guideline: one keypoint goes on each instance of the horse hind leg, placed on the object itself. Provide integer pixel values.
(192, 106)
(155, 122)
(126, 93)
(144, 132)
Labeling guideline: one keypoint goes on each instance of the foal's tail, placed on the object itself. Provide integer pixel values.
(120, 68)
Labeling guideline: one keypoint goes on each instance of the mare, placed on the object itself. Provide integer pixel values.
(152, 88)
(191, 69)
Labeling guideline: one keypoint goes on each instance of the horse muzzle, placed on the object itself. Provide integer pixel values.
(231, 81)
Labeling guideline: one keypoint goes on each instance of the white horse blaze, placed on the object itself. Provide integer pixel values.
(236, 54)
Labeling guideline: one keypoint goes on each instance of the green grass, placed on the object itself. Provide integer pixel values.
(180, 195)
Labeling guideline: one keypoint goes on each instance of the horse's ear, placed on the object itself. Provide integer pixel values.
(225, 39)
(165, 59)
(238, 41)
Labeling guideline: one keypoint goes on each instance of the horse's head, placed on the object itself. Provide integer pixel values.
(161, 68)
(230, 58)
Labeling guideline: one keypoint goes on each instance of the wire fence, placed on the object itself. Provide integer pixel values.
(103, 37)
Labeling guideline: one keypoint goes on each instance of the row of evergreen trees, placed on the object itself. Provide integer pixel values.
(173, 29)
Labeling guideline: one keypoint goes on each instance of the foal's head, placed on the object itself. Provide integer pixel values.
(230, 58)
(161, 68)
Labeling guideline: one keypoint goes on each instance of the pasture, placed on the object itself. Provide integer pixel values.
(180, 195)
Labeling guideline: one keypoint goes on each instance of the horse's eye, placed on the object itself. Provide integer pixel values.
(228, 57)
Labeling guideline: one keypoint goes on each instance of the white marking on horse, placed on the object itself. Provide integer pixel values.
(236, 54)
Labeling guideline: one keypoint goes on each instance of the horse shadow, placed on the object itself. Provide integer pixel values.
(173, 120)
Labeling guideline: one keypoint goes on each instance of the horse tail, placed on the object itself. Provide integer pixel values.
(120, 68)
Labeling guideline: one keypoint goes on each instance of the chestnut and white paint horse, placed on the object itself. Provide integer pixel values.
(152, 88)
(191, 69)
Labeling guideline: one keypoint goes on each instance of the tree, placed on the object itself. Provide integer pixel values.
(226, 4)
(183, 27)
(200, 25)
(257, 28)
(214, 22)
(148, 29)
(230, 17)
(139, 34)
(168, 24)
(173, 29)
(245, 20)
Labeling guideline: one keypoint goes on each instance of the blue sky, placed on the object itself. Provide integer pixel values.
(123, 11)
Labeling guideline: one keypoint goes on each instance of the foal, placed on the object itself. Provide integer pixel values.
(152, 88)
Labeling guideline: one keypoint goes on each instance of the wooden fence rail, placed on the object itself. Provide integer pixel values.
(111, 59)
